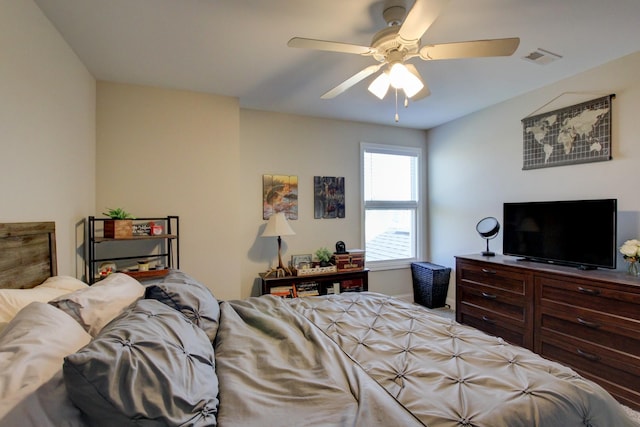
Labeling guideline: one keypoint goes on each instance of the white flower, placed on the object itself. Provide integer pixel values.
(631, 249)
(628, 250)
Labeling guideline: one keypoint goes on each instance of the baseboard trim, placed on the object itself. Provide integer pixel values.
(405, 297)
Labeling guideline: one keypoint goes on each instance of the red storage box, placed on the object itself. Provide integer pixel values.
(352, 260)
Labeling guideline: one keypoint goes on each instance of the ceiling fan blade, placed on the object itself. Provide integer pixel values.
(303, 43)
(356, 78)
(419, 19)
(424, 92)
(471, 49)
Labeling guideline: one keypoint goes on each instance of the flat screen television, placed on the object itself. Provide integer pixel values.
(579, 233)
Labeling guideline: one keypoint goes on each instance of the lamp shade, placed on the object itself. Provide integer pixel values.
(277, 226)
(380, 85)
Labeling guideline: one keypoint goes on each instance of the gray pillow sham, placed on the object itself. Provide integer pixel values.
(190, 297)
(149, 366)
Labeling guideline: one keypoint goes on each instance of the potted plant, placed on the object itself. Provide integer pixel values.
(120, 226)
(324, 256)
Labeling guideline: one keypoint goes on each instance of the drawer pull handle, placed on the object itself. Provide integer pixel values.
(589, 356)
(489, 296)
(588, 324)
(486, 319)
(487, 271)
(588, 291)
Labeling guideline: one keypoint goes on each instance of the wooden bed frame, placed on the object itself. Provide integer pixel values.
(27, 254)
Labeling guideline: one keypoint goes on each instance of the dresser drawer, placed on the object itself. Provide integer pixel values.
(616, 371)
(507, 305)
(593, 295)
(494, 324)
(601, 328)
(496, 277)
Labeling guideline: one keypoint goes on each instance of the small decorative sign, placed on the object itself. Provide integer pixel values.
(141, 229)
(316, 270)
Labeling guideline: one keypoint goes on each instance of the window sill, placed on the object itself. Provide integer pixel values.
(389, 265)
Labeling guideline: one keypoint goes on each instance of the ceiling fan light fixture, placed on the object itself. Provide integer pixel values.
(397, 75)
(410, 92)
(401, 78)
(400, 41)
(380, 86)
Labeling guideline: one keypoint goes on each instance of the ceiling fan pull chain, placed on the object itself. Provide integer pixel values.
(397, 116)
(406, 102)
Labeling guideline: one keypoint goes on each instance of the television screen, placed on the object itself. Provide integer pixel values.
(572, 232)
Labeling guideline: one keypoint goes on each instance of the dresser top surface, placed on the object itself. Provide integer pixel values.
(596, 274)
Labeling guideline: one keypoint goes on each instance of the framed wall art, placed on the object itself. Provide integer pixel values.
(280, 194)
(577, 134)
(328, 197)
(301, 261)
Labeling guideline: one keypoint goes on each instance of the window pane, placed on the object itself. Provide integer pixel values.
(389, 176)
(389, 234)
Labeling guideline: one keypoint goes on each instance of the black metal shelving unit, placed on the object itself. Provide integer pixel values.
(168, 253)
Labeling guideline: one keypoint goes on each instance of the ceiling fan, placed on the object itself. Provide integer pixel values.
(399, 42)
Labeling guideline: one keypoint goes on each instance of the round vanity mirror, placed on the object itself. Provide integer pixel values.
(488, 229)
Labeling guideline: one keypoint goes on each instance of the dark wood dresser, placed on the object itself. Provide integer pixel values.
(495, 298)
(589, 320)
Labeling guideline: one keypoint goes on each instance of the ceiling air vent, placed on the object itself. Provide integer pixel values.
(541, 57)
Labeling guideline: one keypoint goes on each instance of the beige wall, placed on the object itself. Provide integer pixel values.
(201, 157)
(274, 143)
(475, 163)
(167, 152)
(47, 136)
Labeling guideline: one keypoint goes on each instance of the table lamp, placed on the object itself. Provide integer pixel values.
(278, 226)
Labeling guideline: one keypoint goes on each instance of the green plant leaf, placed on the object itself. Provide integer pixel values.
(323, 254)
(118, 213)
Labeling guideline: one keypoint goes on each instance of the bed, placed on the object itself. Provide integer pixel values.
(169, 353)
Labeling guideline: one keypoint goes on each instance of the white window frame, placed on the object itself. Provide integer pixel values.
(416, 205)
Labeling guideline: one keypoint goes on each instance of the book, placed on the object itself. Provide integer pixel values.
(307, 289)
(287, 291)
(353, 285)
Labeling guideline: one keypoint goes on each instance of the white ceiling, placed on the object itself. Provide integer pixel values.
(239, 48)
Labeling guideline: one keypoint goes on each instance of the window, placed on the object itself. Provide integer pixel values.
(390, 189)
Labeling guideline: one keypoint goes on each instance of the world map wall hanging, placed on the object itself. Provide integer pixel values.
(580, 133)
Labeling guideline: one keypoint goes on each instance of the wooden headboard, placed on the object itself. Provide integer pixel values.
(27, 254)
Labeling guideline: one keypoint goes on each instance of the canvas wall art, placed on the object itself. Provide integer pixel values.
(280, 194)
(328, 197)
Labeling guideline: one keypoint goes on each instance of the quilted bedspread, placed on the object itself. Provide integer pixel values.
(276, 369)
(448, 374)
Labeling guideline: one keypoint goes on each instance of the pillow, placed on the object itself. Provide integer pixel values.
(193, 299)
(97, 305)
(150, 366)
(32, 348)
(66, 283)
(13, 300)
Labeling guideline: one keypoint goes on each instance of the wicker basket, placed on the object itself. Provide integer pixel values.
(430, 284)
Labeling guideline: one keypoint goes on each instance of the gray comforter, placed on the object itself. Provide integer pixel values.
(276, 369)
(366, 359)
